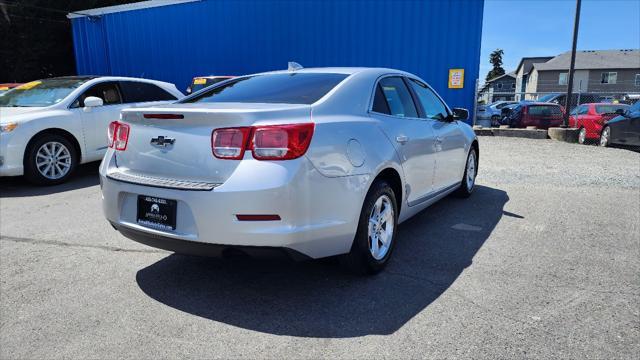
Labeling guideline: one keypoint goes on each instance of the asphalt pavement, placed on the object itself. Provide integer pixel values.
(543, 261)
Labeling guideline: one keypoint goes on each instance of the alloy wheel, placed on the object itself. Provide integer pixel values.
(381, 226)
(604, 137)
(53, 160)
(471, 170)
(582, 136)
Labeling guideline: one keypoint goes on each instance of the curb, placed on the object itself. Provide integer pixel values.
(508, 132)
(569, 135)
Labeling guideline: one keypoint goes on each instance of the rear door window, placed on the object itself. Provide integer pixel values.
(398, 97)
(134, 92)
(380, 102)
(279, 88)
(544, 110)
(433, 107)
(609, 109)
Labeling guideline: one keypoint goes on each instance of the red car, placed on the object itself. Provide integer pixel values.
(590, 119)
(540, 115)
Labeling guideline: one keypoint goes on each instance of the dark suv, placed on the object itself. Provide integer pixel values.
(561, 99)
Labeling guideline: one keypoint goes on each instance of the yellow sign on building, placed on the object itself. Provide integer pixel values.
(456, 78)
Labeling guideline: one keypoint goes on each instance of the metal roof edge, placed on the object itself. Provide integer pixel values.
(126, 7)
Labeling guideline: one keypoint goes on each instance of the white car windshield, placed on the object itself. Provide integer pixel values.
(41, 92)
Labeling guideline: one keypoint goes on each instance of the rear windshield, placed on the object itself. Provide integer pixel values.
(293, 88)
(544, 110)
(610, 109)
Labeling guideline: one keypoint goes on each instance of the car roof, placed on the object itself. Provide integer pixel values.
(108, 78)
(538, 103)
(606, 103)
(340, 70)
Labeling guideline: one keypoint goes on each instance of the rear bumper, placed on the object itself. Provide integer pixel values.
(319, 215)
(206, 249)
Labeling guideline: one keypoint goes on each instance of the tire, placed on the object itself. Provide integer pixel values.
(361, 259)
(582, 136)
(50, 159)
(468, 183)
(495, 120)
(605, 137)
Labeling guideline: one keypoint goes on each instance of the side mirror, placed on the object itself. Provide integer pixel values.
(92, 101)
(619, 111)
(460, 114)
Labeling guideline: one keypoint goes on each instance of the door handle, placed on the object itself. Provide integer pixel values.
(402, 139)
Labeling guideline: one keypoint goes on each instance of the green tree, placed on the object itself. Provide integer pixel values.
(495, 58)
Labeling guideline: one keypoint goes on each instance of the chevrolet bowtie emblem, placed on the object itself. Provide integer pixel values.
(162, 141)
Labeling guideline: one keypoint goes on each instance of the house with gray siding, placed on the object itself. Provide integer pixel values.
(604, 71)
(499, 88)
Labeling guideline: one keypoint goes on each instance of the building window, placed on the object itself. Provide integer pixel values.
(562, 79)
(637, 79)
(609, 78)
(499, 86)
(513, 86)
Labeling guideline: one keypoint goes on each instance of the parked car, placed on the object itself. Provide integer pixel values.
(561, 99)
(201, 82)
(590, 119)
(540, 115)
(312, 162)
(49, 126)
(491, 113)
(623, 129)
(8, 86)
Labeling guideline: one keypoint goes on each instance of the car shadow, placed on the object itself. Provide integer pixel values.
(320, 299)
(86, 175)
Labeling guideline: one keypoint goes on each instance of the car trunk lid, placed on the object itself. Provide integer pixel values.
(174, 142)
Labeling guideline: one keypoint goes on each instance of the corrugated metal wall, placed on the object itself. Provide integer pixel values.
(233, 37)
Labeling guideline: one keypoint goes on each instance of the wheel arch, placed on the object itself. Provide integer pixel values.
(54, 131)
(391, 176)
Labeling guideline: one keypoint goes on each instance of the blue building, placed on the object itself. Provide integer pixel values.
(177, 40)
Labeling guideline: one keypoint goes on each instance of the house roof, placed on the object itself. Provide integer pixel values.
(527, 63)
(125, 7)
(510, 74)
(594, 59)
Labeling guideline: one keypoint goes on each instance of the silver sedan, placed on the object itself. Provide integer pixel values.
(306, 162)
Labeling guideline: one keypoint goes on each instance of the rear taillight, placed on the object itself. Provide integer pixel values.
(118, 135)
(230, 143)
(271, 142)
(281, 142)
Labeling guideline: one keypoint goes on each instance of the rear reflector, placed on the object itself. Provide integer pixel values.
(229, 143)
(258, 217)
(163, 116)
(118, 135)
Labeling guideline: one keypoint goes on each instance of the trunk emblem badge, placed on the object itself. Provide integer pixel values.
(162, 141)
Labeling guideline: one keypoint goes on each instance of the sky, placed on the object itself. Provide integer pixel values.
(525, 28)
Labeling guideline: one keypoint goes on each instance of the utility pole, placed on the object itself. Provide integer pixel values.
(567, 105)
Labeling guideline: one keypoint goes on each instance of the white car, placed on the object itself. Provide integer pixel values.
(312, 162)
(49, 126)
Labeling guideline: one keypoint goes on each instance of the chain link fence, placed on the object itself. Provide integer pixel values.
(494, 114)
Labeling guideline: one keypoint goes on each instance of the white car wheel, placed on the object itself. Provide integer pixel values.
(582, 136)
(605, 137)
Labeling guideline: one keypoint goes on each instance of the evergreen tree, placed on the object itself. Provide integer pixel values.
(495, 58)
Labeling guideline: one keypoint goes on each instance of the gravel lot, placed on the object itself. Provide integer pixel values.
(542, 261)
